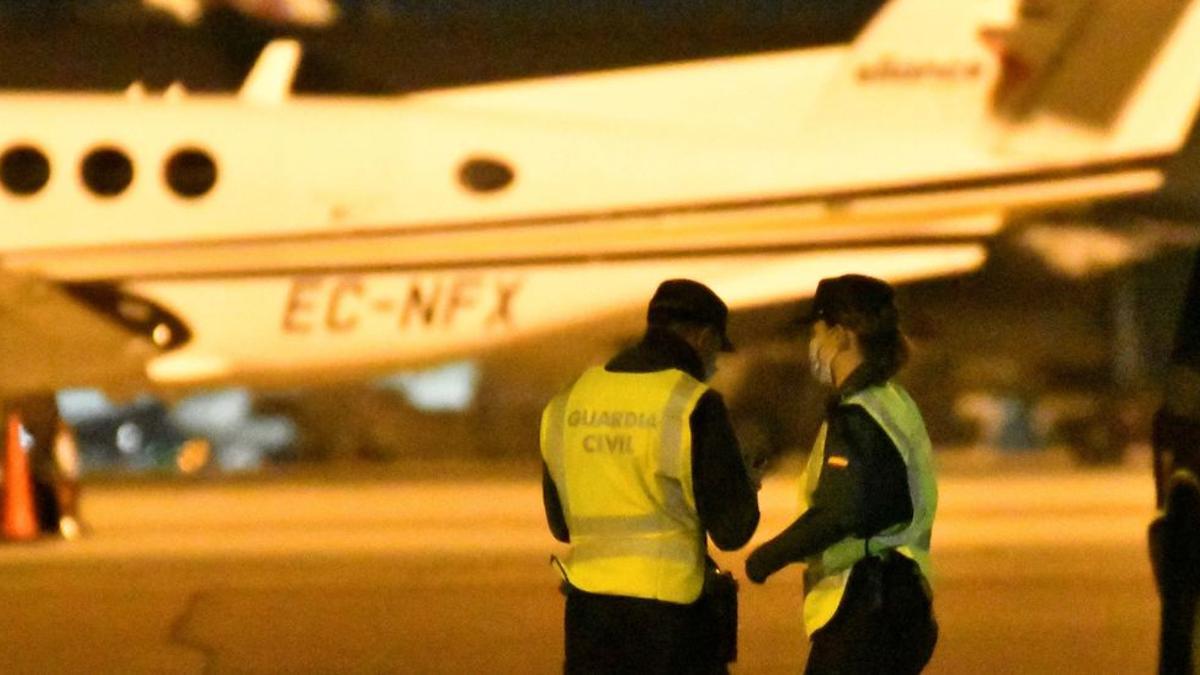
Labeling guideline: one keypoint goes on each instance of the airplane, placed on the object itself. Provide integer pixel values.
(290, 12)
(171, 241)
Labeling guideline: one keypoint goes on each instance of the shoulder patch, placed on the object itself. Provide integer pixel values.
(838, 461)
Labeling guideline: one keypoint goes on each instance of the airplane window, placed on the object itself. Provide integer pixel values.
(485, 175)
(191, 173)
(107, 171)
(24, 170)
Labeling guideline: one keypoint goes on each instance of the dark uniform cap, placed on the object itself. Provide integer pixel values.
(852, 294)
(690, 301)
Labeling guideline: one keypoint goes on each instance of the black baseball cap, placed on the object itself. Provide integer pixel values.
(851, 294)
(690, 301)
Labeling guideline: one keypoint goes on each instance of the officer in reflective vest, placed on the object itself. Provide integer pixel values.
(1175, 533)
(640, 464)
(868, 495)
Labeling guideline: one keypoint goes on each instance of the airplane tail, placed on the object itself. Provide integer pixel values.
(1067, 81)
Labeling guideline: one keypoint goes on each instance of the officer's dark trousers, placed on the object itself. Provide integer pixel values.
(615, 634)
(1175, 547)
(884, 625)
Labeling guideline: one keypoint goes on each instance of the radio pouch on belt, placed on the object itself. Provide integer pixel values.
(719, 603)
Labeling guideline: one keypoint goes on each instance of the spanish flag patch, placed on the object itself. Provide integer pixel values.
(839, 462)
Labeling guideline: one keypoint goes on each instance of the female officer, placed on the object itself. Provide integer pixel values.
(869, 495)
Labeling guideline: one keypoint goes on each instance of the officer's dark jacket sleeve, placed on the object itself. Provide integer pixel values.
(725, 499)
(860, 497)
(553, 506)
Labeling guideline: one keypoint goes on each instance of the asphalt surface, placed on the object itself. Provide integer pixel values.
(1041, 569)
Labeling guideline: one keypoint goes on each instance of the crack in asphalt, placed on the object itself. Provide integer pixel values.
(178, 632)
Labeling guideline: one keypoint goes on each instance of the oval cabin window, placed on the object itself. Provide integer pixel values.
(107, 171)
(24, 170)
(485, 175)
(191, 173)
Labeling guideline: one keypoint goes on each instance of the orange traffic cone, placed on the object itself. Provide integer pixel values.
(19, 519)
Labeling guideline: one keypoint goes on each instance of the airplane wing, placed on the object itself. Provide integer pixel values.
(265, 329)
(278, 329)
(50, 339)
(308, 13)
(295, 12)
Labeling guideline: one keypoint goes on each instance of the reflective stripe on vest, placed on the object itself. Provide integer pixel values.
(826, 575)
(618, 447)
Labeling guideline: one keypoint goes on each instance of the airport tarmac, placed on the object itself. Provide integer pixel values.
(1041, 569)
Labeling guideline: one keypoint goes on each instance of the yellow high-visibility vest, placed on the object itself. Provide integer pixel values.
(619, 449)
(827, 573)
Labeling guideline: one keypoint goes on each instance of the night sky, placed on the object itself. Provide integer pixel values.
(385, 47)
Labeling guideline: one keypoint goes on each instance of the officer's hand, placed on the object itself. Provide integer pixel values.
(757, 568)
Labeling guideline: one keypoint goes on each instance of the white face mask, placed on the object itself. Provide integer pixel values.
(820, 368)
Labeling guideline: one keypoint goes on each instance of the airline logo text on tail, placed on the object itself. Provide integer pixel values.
(351, 303)
(891, 69)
